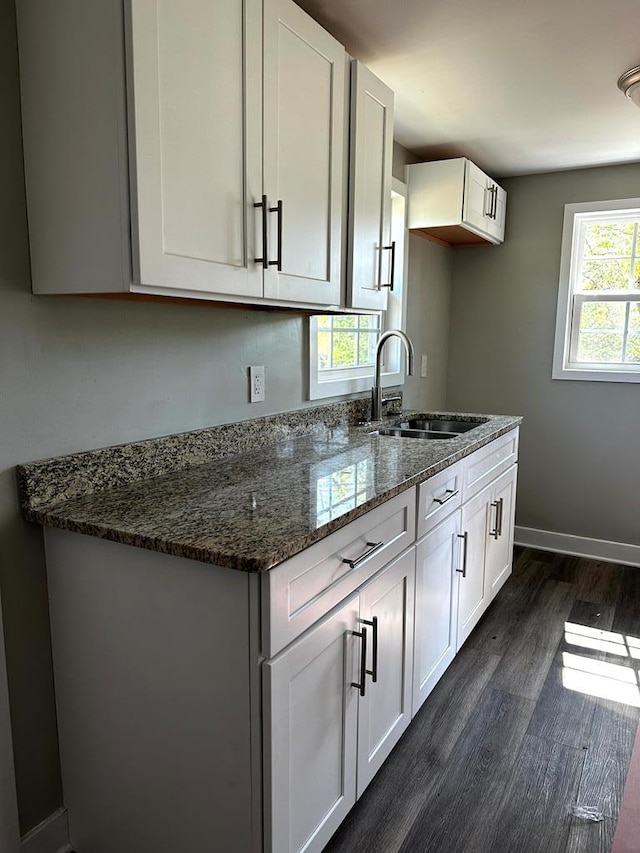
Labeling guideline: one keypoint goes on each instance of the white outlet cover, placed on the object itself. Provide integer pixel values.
(256, 384)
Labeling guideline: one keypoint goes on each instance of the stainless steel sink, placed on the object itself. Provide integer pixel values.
(437, 425)
(429, 428)
(399, 432)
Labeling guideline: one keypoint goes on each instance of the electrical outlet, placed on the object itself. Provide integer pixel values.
(423, 367)
(256, 384)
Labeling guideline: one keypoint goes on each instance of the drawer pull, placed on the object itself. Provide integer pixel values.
(373, 672)
(372, 548)
(465, 544)
(361, 685)
(450, 493)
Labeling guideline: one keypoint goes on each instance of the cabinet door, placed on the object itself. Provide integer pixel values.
(371, 255)
(304, 152)
(499, 555)
(476, 198)
(385, 709)
(438, 557)
(310, 722)
(195, 73)
(471, 585)
(496, 225)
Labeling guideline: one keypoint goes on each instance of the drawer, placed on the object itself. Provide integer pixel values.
(438, 497)
(303, 589)
(483, 466)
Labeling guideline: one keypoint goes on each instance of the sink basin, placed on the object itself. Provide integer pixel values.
(437, 425)
(399, 432)
(425, 427)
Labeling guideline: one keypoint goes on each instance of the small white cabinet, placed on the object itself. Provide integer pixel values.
(372, 254)
(335, 703)
(456, 203)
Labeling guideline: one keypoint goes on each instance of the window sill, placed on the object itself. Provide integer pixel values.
(596, 374)
(342, 387)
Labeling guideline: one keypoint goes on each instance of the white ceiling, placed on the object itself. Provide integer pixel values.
(519, 86)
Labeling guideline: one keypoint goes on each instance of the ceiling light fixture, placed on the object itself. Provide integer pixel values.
(629, 84)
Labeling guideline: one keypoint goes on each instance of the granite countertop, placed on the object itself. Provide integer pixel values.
(248, 510)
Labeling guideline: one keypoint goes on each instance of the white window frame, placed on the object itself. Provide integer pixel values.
(565, 344)
(356, 379)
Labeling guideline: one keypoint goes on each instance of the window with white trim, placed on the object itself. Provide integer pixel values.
(342, 346)
(598, 316)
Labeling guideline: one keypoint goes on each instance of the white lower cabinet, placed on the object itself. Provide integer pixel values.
(438, 556)
(499, 551)
(462, 562)
(310, 734)
(335, 703)
(487, 531)
(252, 711)
(384, 711)
(472, 601)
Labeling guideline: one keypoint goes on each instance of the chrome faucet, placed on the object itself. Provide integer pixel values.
(376, 391)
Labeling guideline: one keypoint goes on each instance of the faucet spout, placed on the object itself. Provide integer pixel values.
(376, 391)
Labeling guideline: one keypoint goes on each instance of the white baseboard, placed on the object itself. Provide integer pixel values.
(578, 546)
(50, 836)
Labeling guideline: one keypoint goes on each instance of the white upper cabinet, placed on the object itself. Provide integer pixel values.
(455, 203)
(145, 135)
(195, 81)
(371, 263)
(304, 148)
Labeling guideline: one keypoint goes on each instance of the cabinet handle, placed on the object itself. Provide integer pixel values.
(392, 275)
(495, 532)
(500, 512)
(373, 672)
(465, 544)
(373, 547)
(488, 191)
(264, 260)
(361, 685)
(450, 493)
(494, 205)
(278, 262)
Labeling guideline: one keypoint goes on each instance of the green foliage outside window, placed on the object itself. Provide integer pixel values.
(347, 341)
(609, 331)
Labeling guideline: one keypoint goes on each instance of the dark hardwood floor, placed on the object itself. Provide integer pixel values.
(536, 716)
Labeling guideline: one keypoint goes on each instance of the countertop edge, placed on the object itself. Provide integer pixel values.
(55, 517)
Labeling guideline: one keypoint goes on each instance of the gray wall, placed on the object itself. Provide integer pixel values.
(579, 458)
(429, 282)
(78, 374)
(430, 267)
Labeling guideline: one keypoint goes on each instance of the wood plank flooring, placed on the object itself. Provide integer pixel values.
(536, 715)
